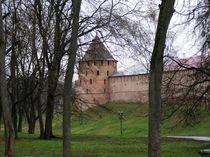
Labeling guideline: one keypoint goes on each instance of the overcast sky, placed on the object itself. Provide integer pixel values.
(184, 40)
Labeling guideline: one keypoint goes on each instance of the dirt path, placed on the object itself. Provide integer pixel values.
(194, 138)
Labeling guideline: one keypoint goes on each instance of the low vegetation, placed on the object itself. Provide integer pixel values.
(96, 133)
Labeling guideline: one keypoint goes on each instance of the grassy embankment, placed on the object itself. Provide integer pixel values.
(96, 133)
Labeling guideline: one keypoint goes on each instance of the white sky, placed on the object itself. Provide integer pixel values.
(184, 42)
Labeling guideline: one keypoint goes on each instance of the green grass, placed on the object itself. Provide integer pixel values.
(107, 122)
(96, 133)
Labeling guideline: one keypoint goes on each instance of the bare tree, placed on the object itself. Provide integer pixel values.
(186, 89)
(155, 77)
(68, 91)
(189, 83)
(10, 134)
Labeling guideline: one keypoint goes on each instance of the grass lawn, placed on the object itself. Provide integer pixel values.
(96, 133)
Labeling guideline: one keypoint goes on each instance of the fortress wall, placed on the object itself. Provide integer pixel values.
(132, 88)
(178, 85)
(174, 84)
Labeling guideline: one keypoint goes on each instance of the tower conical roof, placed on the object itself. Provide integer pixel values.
(97, 51)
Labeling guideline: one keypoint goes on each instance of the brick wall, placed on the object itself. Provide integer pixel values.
(97, 86)
(132, 88)
(93, 80)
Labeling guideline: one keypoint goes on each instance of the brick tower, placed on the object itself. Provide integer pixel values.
(94, 70)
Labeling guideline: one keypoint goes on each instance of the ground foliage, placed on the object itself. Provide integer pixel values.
(96, 133)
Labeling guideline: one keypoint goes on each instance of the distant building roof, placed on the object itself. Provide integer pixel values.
(175, 64)
(97, 51)
(191, 62)
(131, 70)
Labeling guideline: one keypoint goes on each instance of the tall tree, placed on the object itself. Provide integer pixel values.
(10, 134)
(68, 79)
(155, 77)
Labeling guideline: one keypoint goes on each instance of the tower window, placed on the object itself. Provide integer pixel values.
(86, 90)
(104, 81)
(101, 62)
(108, 62)
(104, 90)
(97, 72)
(94, 62)
(91, 81)
(107, 73)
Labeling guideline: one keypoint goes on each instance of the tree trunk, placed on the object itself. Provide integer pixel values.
(26, 110)
(0, 115)
(52, 84)
(68, 81)
(53, 72)
(14, 118)
(41, 124)
(13, 86)
(13, 65)
(20, 120)
(32, 121)
(10, 134)
(155, 78)
(40, 76)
